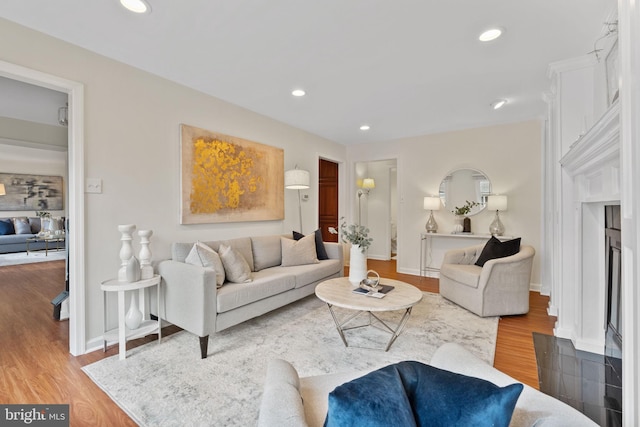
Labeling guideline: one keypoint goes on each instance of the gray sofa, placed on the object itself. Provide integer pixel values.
(13, 242)
(290, 401)
(190, 299)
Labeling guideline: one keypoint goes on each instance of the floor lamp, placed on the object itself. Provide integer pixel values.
(367, 185)
(297, 179)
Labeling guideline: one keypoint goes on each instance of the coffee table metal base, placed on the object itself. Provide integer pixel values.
(395, 333)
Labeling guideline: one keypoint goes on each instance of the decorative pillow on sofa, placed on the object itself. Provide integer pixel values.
(36, 224)
(21, 225)
(299, 252)
(497, 249)
(320, 249)
(236, 268)
(204, 256)
(414, 394)
(6, 227)
(267, 252)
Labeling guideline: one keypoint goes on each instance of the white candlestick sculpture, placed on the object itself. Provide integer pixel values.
(126, 251)
(146, 269)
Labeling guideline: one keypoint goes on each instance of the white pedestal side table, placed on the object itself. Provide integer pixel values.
(122, 333)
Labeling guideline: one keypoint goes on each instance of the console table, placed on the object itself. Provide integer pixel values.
(434, 245)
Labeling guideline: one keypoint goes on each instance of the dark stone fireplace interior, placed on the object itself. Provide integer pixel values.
(591, 383)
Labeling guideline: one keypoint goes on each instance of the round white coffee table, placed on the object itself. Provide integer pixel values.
(338, 292)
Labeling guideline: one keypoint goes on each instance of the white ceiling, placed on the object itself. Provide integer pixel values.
(405, 67)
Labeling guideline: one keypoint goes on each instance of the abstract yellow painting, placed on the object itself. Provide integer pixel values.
(229, 179)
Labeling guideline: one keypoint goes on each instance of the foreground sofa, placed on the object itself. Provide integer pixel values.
(290, 401)
(190, 299)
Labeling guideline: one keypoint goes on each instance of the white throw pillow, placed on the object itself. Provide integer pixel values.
(204, 256)
(236, 267)
(299, 252)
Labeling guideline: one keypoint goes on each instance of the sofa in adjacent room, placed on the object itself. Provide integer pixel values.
(14, 232)
(291, 401)
(204, 292)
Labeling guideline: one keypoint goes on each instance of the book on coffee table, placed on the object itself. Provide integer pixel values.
(382, 290)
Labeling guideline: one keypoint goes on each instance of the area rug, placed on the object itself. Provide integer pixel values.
(167, 384)
(22, 257)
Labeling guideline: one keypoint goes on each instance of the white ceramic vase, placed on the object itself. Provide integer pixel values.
(133, 270)
(458, 224)
(133, 318)
(357, 265)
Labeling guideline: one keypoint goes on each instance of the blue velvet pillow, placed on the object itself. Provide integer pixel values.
(433, 397)
(6, 227)
(377, 399)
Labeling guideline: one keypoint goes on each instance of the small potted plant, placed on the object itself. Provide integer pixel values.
(358, 236)
(464, 209)
(463, 223)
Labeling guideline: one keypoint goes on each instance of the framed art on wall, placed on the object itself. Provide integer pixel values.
(25, 192)
(229, 179)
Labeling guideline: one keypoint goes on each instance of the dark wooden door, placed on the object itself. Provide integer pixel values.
(328, 199)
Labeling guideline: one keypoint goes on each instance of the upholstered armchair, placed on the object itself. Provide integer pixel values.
(500, 287)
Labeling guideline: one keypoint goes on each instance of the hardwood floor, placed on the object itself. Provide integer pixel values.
(38, 369)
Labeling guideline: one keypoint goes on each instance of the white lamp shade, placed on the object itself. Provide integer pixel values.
(2, 190)
(368, 183)
(432, 203)
(497, 203)
(296, 179)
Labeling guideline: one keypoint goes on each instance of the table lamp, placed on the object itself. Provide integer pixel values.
(497, 203)
(431, 203)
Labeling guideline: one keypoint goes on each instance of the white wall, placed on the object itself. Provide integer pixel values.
(132, 139)
(510, 155)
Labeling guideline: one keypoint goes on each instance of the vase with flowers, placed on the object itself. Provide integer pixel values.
(358, 236)
(463, 223)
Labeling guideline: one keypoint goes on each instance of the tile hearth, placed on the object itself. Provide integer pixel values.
(589, 382)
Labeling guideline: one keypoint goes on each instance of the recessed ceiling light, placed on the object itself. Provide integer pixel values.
(490, 34)
(298, 92)
(136, 6)
(365, 127)
(498, 103)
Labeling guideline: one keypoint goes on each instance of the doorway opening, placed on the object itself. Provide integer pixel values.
(75, 235)
(377, 205)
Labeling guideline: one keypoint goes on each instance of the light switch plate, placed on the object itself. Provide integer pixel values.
(93, 185)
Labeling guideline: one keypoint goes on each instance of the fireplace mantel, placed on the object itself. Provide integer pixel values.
(599, 145)
(590, 180)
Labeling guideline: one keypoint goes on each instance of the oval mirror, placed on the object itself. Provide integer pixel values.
(465, 184)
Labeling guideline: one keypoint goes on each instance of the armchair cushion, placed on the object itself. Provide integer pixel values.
(463, 273)
(497, 249)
